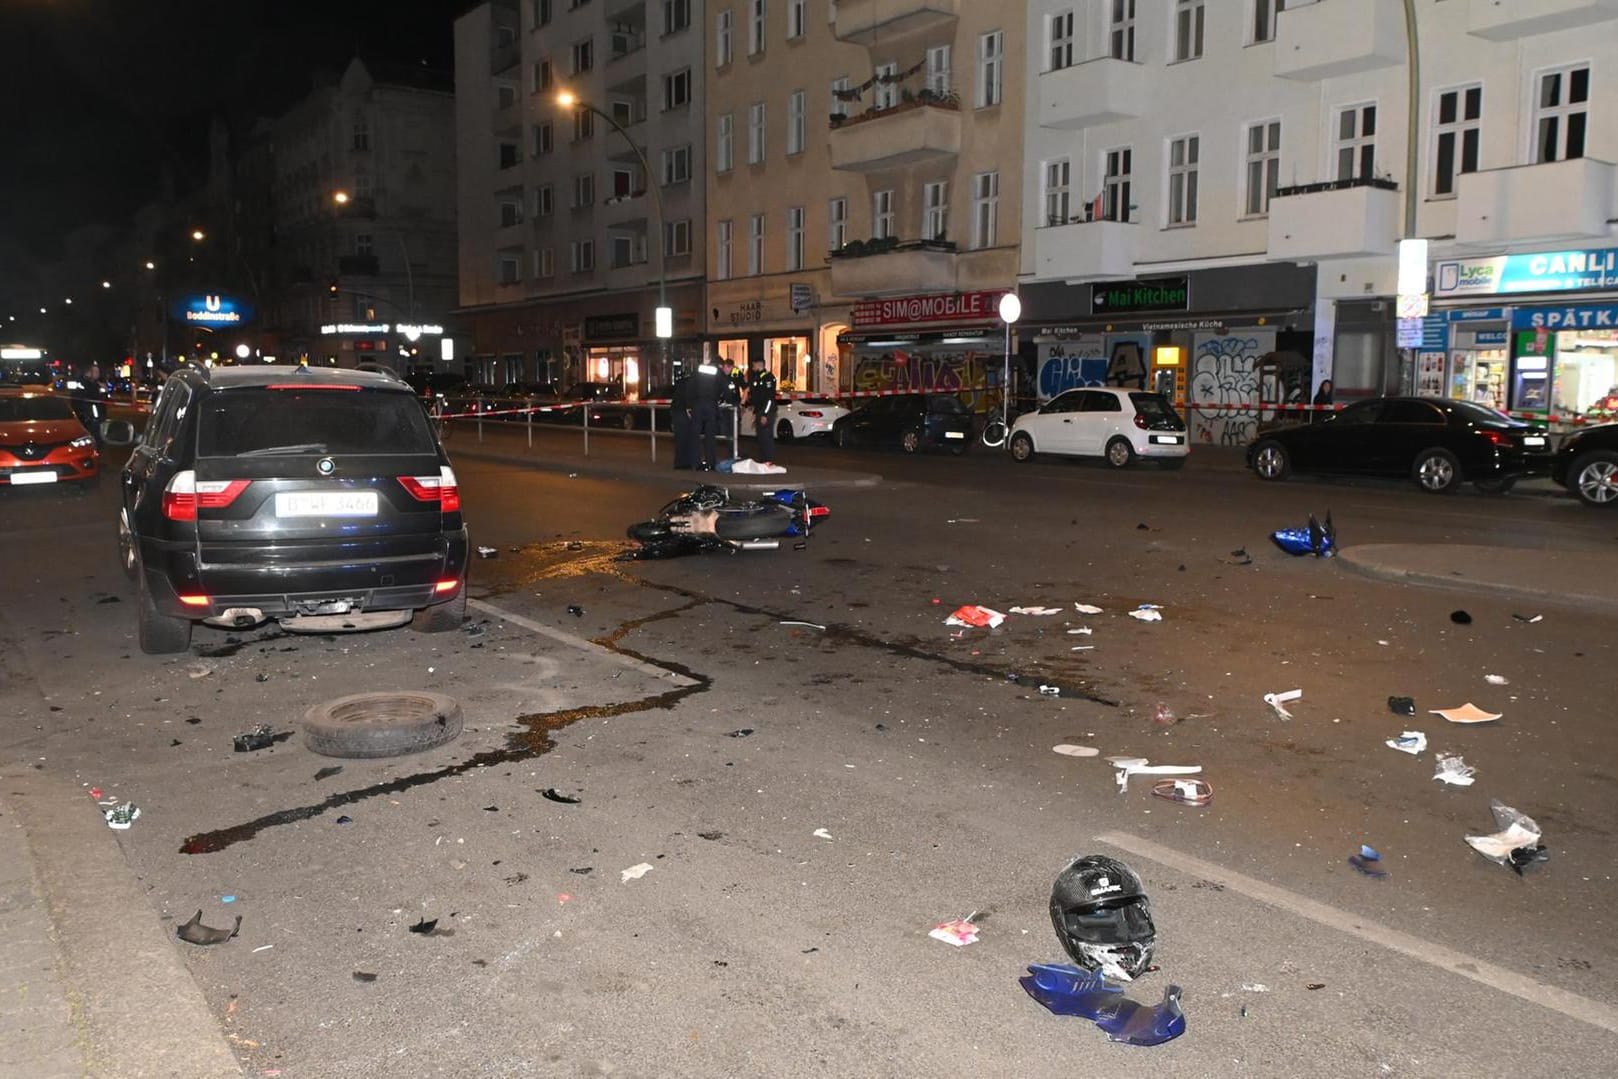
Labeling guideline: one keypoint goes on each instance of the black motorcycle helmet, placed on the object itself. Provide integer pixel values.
(1102, 918)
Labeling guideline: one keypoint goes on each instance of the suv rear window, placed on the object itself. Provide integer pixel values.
(1152, 407)
(259, 420)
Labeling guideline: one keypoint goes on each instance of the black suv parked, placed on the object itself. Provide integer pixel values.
(319, 498)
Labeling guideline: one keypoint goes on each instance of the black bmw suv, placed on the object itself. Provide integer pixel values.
(318, 498)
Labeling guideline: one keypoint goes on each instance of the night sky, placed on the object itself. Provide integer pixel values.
(100, 100)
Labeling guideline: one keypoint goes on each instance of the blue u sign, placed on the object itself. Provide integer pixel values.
(212, 309)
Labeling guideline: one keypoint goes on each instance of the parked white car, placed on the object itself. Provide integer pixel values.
(1117, 425)
(806, 416)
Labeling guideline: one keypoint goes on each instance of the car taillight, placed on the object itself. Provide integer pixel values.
(813, 414)
(193, 599)
(1499, 438)
(448, 584)
(441, 488)
(180, 497)
(1140, 421)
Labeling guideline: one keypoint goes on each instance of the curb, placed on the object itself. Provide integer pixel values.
(1362, 560)
(135, 1008)
(740, 481)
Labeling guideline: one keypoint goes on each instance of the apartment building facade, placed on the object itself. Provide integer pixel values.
(863, 211)
(581, 215)
(1219, 191)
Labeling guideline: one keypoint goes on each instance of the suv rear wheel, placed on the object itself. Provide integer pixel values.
(160, 635)
(441, 617)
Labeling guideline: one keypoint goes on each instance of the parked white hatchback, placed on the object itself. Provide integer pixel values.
(1117, 425)
(805, 417)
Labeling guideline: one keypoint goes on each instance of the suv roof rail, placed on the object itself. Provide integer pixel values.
(379, 369)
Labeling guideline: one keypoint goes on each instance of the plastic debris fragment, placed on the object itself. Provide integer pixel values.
(1402, 706)
(1086, 608)
(1138, 766)
(1041, 611)
(557, 796)
(974, 616)
(1411, 742)
(1529, 617)
(1453, 770)
(821, 833)
(1164, 716)
(1191, 792)
(958, 933)
(1368, 861)
(1147, 612)
(1050, 691)
(488, 552)
(1516, 843)
(1312, 538)
(120, 817)
(1076, 751)
(1065, 990)
(1466, 714)
(1497, 680)
(1279, 701)
(194, 932)
(635, 872)
(260, 737)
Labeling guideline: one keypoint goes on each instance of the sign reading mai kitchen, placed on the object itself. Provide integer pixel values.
(1545, 271)
(941, 307)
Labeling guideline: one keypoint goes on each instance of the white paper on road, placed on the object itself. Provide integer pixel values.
(1516, 830)
(1076, 751)
(636, 872)
(1279, 701)
(1453, 770)
(1147, 612)
(1036, 610)
(1497, 680)
(1081, 631)
(821, 833)
(1085, 608)
(1466, 713)
(1411, 742)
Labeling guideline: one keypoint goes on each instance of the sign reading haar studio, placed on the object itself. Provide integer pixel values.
(1545, 271)
(940, 307)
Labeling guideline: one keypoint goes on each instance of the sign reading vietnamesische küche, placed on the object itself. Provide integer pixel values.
(1545, 271)
(1160, 294)
(942, 307)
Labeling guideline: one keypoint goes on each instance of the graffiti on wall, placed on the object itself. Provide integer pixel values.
(974, 377)
(1224, 386)
(1091, 360)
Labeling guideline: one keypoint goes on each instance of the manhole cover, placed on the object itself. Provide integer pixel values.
(381, 724)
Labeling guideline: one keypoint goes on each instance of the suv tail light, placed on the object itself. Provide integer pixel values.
(184, 495)
(1498, 438)
(441, 488)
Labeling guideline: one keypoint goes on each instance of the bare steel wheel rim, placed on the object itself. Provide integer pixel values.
(1598, 482)
(1436, 473)
(1269, 462)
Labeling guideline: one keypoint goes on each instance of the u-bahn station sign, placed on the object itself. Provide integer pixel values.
(213, 309)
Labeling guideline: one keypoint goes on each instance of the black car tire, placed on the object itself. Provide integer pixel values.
(783, 431)
(1271, 461)
(1119, 453)
(1436, 471)
(1593, 479)
(910, 441)
(159, 634)
(1497, 486)
(371, 725)
(1022, 447)
(441, 617)
(126, 546)
(627, 421)
(843, 439)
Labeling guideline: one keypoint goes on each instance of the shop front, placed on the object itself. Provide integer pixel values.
(950, 343)
(1211, 340)
(784, 324)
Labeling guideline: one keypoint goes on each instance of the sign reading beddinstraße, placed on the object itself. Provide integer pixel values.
(943, 307)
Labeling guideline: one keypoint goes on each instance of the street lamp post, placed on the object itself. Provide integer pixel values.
(1010, 312)
(664, 325)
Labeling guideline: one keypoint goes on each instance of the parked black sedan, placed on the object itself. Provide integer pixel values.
(1587, 465)
(1436, 442)
(910, 421)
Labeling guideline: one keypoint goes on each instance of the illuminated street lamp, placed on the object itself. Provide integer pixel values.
(1010, 312)
(106, 284)
(341, 198)
(198, 235)
(150, 265)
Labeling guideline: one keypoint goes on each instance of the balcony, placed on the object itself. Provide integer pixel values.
(1508, 20)
(1339, 219)
(503, 58)
(1332, 38)
(1559, 200)
(865, 22)
(1085, 250)
(890, 268)
(922, 129)
(358, 266)
(1094, 92)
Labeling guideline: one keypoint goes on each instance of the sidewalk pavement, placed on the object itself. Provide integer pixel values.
(1577, 578)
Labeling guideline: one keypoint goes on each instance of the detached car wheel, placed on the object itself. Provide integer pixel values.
(1022, 447)
(1270, 461)
(1436, 471)
(1594, 479)
(159, 634)
(369, 725)
(441, 617)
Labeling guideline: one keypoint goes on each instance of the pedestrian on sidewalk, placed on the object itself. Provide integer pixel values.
(1322, 402)
(761, 408)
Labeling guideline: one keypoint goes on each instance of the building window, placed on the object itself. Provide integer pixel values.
(724, 28)
(1561, 111)
(1060, 29)
(544, 200)
(755, 245)
(365, 244)
(584, 256)
(836, 223)
(543, 76)
(677, 165)
(583, 56)
(623, 182)
(622, 111)
(1117, 174)
(547, 262)
(677, 237)
(882, 215)
(985, 209)
(584, 124)
(755, 133)
(1121, 29)
(510, 214)
(676, 15)
(722, 237)
(510, 155)
(885, 94)
(1188, 18)
(362, 132)
(505, 95)
(544, 138)
(627, 250)
(839, 103)
(1263, 160)
(1058, 177)
(797, 19)
(797, 121)
(795, 238)
(677, 89)
(509, 269)
(755, 27)
(1457, 130)
(542, 12)
(991, 67)
(938, 77)
(935, 210)
(584, 190)
(1356, 142)
(1183, 154)
(724, 155)
(1264, 13)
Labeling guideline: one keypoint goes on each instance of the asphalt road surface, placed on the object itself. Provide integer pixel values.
(754, 946)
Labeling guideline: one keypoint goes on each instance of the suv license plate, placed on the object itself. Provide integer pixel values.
(21, 478)
(1533, 440)
(325, 504)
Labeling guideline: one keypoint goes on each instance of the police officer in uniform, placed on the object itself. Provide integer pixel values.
(707, 386)
(680, 408)
(761, 407)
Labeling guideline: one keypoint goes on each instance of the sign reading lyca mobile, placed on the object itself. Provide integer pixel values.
(212, 309)
(942, 307)
(1545, 271)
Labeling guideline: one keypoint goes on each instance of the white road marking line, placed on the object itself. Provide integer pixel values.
(1569, 1004)
(580, 643)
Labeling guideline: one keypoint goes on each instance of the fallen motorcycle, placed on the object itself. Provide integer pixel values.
(709, 518)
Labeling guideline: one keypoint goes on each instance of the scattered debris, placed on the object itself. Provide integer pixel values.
(635, 872)
(1453, 770)
(711, 836)
(120, 817)
(1279, 701)
(261, 677)
(194, 932)
(1309, 539)
(1315, 985)
(1139, 766)
(1191, 792)
(345, 819)
(821, 833)
(425, 927)
(200, 670)
(515, 878)
(328, 772)
(1240, 557)
(1085, 608)
(1368, 861)
(1050, 691)
(260, 737)
(975, 616)
(1402, 706)
(1255, 987)
(1040, 611)
(491, 809)
(1065, 990)
(364, 976)
(1411, 742)
(557, 796)
(575, 610)
(1460, 618)
(741, 733)
(959, 933)
(1102, 917)
(1148, 612)
(1497, 680)
(1164, 716)
(1076, 751)
(109, 599)
(1081, 631)
(488, 552)
(1516, 844)
(571, 545)
(1467, 713)
(1529, 617)
(799, 622)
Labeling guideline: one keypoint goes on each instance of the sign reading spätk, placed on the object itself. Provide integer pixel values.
(941, 307)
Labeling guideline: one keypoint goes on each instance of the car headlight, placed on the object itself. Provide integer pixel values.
(82, 442)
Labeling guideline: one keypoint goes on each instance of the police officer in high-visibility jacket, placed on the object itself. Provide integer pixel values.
(760, 404)
(707, 386)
